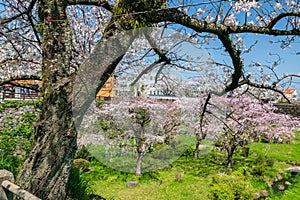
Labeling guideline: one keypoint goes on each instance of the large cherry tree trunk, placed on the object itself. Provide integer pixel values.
(45, 172)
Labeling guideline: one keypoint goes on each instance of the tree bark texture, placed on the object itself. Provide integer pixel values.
(139, 164)
(45, 172)
(230, 150)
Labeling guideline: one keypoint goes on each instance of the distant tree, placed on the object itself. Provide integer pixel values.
(246, 120)
(233, 122)
(195, 118)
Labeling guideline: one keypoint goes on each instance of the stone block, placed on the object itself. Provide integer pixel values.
(5, 175)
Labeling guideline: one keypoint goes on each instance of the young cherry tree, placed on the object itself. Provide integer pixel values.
(246, 120)
(137, 124)
(195, 119)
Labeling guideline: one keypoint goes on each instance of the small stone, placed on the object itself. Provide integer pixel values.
(287, 183)
(131, 183)
(264, 193)
(256, 195)
(279, 177)
(281, 187)
(294, 168)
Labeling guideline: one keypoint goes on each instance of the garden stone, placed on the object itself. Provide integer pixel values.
(5, 175)
(264, 193)
(279, 177)
(287, 183)
(256, 195)
(131, 183)
(281, 187)
(294, 170)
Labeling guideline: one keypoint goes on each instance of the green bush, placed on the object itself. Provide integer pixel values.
(189, 152)
(260, 165)
(232, 186)
(84, 154)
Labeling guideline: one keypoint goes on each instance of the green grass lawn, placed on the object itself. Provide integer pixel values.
(168, 188)
(187, 178)
(280, 152)
(180, 181)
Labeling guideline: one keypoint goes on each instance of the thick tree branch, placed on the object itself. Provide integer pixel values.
(101, 3)
(19, 77)
(222, 31)
(236, 61)
(281, 16)
(173, 15)
(261, 86)
(12, 80)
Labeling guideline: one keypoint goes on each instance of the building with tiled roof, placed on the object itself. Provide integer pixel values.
(291, 94)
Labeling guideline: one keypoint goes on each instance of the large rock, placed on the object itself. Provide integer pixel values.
(5, 175)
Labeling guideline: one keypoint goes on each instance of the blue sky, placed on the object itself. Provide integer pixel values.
(260, 53)
(290, 61)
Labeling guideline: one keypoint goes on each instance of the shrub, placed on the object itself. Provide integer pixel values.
(233, 186)
(83, 153)
(260, 165)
